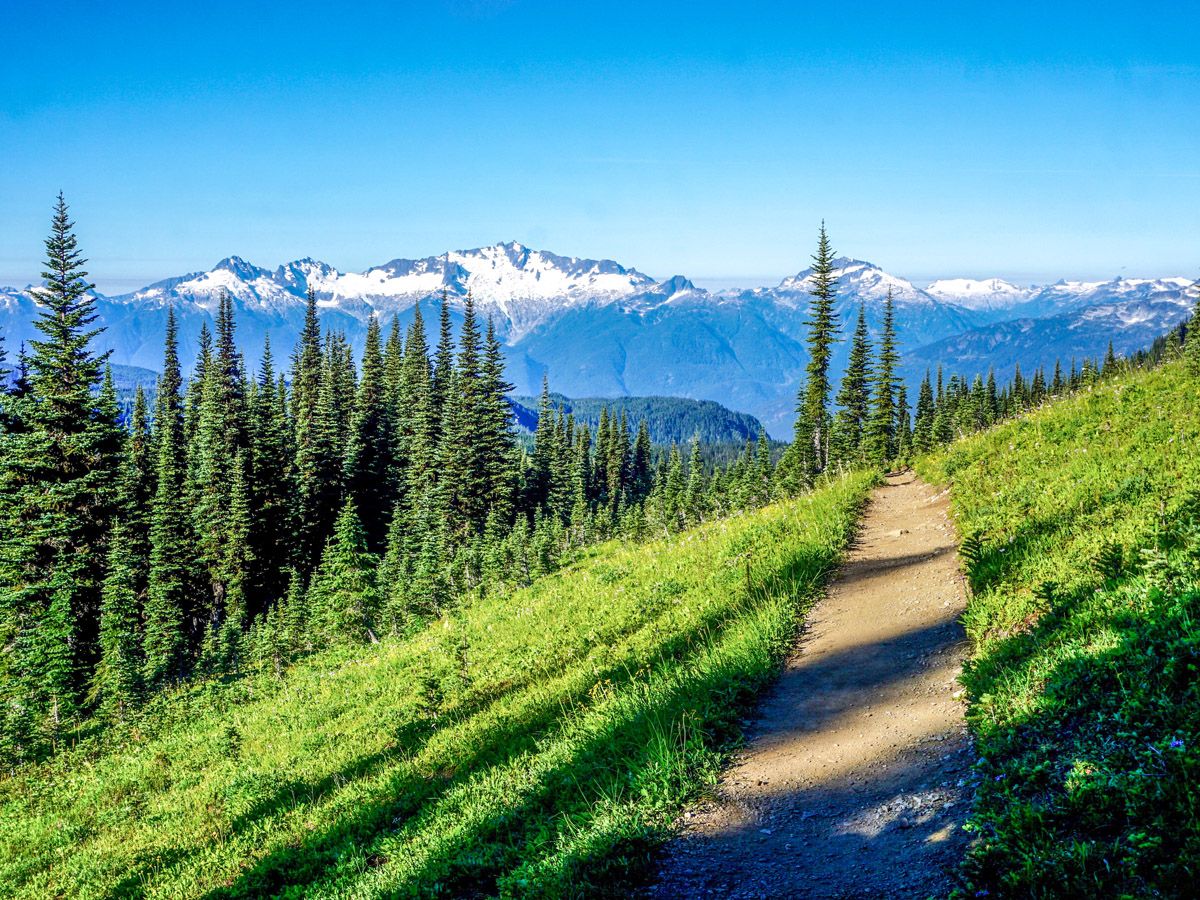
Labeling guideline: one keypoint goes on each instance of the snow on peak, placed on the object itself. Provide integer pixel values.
(864, 280)
(986, 294)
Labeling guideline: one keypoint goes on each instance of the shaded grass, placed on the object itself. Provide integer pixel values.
(1082, 548)
(534, 743)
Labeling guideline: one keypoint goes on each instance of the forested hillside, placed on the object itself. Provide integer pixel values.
(670, 420)
(1080, 539)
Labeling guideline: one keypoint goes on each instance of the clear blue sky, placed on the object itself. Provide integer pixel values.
(1028, 140)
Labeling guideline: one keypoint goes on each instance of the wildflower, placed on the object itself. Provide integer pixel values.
(1177, 744)
(1000, 777)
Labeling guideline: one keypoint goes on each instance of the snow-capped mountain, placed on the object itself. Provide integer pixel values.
(601, 329)
(519, 286)
(1129, 314)
(989, 296)
(1063, 296)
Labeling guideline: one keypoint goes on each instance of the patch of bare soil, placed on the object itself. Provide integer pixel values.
(856, 777)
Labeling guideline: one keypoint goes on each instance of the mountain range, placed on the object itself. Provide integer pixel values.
(597, 328)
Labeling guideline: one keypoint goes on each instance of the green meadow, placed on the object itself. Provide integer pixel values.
(1081, 539)
(535, 742)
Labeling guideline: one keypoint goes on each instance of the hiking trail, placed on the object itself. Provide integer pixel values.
(856, 776)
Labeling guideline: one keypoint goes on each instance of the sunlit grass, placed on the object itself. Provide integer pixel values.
(535, 742)
(1079, 524)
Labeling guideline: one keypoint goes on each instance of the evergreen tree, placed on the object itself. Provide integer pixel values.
(903, 424)
(1174, 347)
(272, 489)
(881, 427)
(171, 623)
(640, 470)
(343, 600)
(694, 494)
(220, 436)
(808, 453)
(1110, 361)
(443, 361)
(317, 385)
(118, 679)
(1057, 386)
(1192, 347)
(58, 505)
(370, 470)
(237, 562)
(923, 438)
(497, 456)
(419, 422)
(854, 396)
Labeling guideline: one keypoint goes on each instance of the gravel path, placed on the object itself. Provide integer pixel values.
(856, 776)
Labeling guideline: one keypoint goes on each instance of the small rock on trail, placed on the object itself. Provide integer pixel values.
(856, 778)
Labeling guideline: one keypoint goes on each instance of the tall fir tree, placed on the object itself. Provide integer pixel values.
(272, 454)
(880, 434)
(1192, 346)
(171, 620)
(808, 453)
(853, 397)
(923, 439)
(118, 679)
(58, 506)
(370, 464)
(343, 601)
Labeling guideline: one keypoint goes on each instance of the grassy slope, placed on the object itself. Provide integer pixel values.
(533, 743)
(1084, 554)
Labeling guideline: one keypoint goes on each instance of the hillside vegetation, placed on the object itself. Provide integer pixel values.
(1082, 545)
(530, 743)
(670, 420)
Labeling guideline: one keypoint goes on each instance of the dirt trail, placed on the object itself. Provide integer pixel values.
(855, 779)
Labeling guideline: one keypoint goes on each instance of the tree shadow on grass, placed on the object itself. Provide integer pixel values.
(610, 762)
(411, 794)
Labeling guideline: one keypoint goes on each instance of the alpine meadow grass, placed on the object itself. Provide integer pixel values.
(1082, 545)
(532, 743)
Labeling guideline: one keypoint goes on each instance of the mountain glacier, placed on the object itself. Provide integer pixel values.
(598, 328)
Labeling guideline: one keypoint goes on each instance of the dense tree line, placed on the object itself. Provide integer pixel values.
(869, 421)
(948, 408)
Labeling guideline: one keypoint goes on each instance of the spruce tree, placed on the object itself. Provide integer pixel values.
(903, 424)
(498, 451)
(808, 454)
(220, 438)
(370, 470)
(58, 506)
(1192, 346)
(316, 388)
(418, 423)
(854, 395)
(343, 600)
(172, 625)
(694, 494)
(443, 361)
(923, 439)
(640, 468)
(118, 679)
(272, 489)
(881, 427)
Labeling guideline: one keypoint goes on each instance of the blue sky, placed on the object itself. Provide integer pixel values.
(1027, 140)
